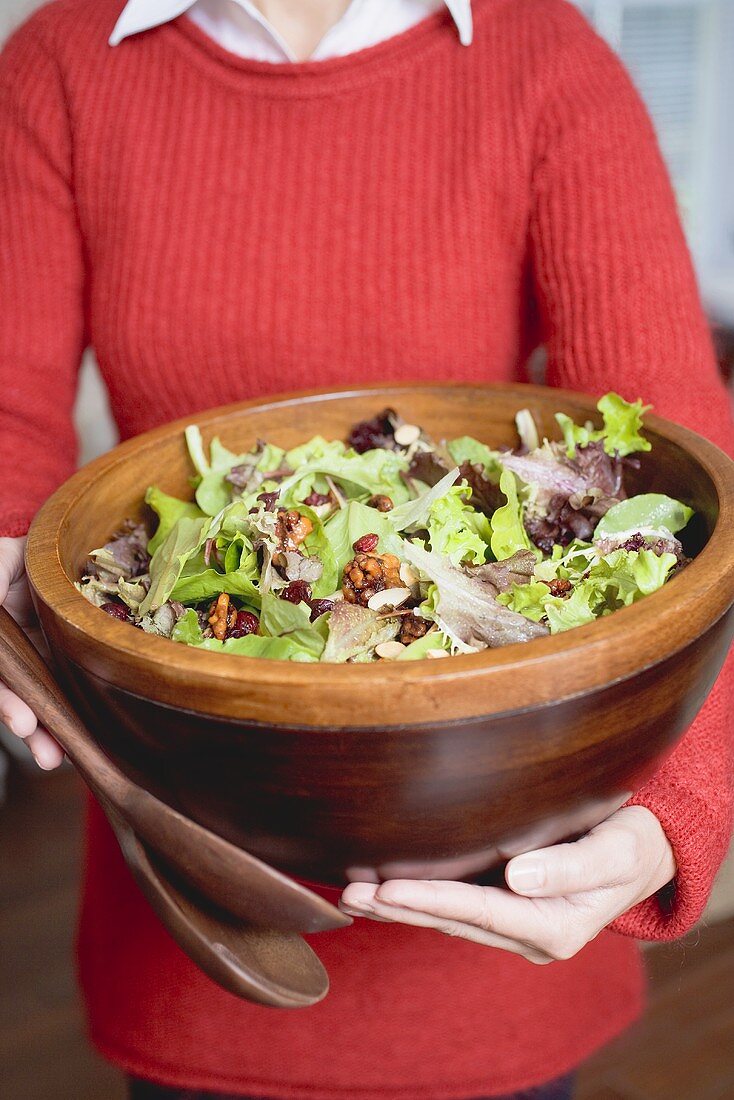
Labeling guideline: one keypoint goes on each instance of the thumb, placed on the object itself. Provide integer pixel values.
(607, 856)
(11, 564)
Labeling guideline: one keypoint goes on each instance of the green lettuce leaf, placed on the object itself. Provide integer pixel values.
(318, 544)
(300, 645)
(169, 510)
(350, 523)
(182, 542)
(415, 513)
(621, 431)
(622, 424)
(467, 449)
(456, 530)
(646, 512)
(376, 471)
(508, 531)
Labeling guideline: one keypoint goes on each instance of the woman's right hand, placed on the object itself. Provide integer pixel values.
(16, 598)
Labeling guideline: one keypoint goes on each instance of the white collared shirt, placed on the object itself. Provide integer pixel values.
(240, 28)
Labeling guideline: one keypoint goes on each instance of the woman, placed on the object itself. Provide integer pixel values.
(222, 219)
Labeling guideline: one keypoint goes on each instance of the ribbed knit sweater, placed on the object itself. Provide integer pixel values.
(219, 229)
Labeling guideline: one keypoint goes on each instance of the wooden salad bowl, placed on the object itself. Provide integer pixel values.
(409, 767)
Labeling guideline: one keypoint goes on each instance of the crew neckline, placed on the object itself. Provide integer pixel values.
(314, 78)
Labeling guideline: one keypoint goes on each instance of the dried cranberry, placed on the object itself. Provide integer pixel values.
(269, 500)
(320, 607)
(368, 435)
(559, 586)
(116, 610)
(296, 592)
(245, 623)
(366, 543)
(314, 500)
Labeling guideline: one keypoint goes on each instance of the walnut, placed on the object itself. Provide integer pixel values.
(367, 574)
(222, 617)
(412, 627)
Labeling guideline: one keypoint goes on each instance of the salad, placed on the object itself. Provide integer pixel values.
(393, 546)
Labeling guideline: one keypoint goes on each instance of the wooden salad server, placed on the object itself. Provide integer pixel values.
(234, 881)
(272, 968)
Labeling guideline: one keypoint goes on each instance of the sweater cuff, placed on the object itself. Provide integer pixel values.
(699, 842)
(16, 523)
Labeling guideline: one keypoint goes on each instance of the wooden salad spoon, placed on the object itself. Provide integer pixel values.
(272, 968)
(234, 881)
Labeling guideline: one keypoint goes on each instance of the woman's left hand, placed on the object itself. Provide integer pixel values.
(559, 899)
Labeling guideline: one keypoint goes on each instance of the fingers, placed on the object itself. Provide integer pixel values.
(21, 721)
(361, 900)
(608, 856)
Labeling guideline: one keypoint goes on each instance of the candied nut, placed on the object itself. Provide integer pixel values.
(221, 616)
(367, 574)
(381, 502)
(389, 597)
(407, 434)
(389, 651)
(411, 628)
(366, 543)
(434, 654)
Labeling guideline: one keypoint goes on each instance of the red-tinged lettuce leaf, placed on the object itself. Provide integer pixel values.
(354, 631)
(466, 609)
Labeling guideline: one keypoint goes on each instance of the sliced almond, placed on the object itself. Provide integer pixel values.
(436, 653)
(389, 597)
(389, 650)
(408, 575)
(407, 434)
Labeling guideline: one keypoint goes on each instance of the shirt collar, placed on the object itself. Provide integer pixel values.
(142, 15)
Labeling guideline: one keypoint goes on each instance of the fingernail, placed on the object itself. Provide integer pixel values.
(45, 757)
(352, 912)
(359, 907)
(6, 721)
(525, 874)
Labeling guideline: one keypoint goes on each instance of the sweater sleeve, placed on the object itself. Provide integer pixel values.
(620, 310)
(41, 278)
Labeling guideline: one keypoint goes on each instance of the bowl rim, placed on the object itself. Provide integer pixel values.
(519, 677)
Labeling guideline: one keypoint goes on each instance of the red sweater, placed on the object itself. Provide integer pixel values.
(219, 229)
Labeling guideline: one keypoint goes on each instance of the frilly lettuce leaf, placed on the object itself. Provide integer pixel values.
(467, 449)
(621, 431)
(456, 530)
(372, 472)
(651, 511)
(607, 584)
(354, 631)
(508, 530)
(169, 510)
